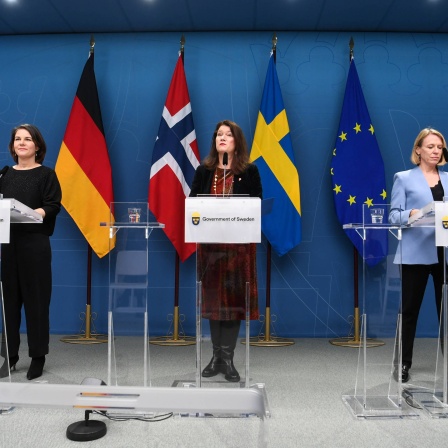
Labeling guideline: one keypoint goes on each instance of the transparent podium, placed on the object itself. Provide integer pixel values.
(226, 231)
(378, 388)
(11, 211)
(128, 390)
(128, 323)
(428, 387)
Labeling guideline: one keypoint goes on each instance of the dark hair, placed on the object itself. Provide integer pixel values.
(240, 158)
(37, 138)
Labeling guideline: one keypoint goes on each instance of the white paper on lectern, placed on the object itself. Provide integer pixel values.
(13, 211)
(441, 217)
(222, 220)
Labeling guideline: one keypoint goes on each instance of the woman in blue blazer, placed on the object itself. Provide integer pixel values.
(417, 252)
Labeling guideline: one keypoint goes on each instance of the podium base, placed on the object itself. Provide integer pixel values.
(217, 384)
(427, 399)
(374, 407)
(351, 342)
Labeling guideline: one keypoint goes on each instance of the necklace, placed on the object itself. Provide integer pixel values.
(222, 186)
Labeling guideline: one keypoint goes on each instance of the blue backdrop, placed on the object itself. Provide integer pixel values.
(405, 83)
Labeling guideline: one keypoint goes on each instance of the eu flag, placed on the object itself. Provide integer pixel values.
(273, 154)
(357, 169)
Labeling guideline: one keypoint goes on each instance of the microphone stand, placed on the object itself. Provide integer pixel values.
(225, 161)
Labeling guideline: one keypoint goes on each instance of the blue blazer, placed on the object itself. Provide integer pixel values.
(411, 191)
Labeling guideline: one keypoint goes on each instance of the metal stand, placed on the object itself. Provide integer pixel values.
(175, 338)
(86, 337)
(267, 340)
(86, 430)
(355, 341)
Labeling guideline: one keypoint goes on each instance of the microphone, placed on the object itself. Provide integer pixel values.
(445, 154)
(3, 171)
(225, 162)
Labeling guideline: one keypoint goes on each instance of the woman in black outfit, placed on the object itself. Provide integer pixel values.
(26, 260)
(224, 269)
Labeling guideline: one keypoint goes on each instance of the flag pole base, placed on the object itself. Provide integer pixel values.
(351, 342)
(86, 337)
(267, 340)
(356, 341)
(171, 341)
(83, 339)
(174, 339)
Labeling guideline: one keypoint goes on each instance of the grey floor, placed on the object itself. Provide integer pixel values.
(304, 383)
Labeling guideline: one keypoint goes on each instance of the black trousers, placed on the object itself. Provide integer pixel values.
(27, 282)
(224, 335)
(414, 281)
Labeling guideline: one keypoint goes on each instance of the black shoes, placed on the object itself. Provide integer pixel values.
(404, 373)
(4, 371)
(36, 368)
(229, 371)
(213, 367)
(221, 365)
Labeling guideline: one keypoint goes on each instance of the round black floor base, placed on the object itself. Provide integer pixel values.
(85, 431)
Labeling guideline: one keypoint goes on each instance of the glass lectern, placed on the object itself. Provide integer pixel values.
(128, 294)
(428, 386)
(378, 388)
(226, 230)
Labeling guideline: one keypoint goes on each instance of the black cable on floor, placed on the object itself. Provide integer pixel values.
(155, 419)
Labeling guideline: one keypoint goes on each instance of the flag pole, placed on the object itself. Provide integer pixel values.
(355, 341)
(86, 336)
(173, 339)
(267, 340)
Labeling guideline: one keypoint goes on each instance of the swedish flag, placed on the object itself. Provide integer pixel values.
(273, 154)
(357, 169)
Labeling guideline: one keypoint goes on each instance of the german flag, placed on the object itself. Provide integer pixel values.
(83, 165)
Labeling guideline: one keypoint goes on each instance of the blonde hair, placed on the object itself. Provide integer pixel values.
(415, 158)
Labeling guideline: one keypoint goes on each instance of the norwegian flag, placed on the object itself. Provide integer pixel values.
(174, 161)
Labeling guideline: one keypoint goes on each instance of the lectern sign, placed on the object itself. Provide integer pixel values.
(219, 219)
(441, 223)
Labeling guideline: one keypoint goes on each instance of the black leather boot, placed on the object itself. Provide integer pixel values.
(7, 367)
(229, 337)
(214, 366)
(227, 368)
(36, 367)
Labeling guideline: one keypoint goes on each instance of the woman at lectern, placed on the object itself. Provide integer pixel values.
(224, 269)
(412, 190)
(26, 260)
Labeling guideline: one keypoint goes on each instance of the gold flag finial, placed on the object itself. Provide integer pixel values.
(92, 43)
(351, 45)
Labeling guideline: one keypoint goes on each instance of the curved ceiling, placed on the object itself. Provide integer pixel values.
(117, 16)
